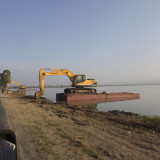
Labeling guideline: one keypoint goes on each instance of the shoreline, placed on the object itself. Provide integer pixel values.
(80, 132)
(109, 85)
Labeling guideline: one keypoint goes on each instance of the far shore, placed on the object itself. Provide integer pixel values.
(105, 85)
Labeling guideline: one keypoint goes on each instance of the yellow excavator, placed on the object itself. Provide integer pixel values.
(21, 86)
(79, 81)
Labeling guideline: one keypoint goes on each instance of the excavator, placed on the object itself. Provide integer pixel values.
(21, 86)
(79, 81)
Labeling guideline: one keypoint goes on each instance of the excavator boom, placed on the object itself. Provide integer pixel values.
(16, 83)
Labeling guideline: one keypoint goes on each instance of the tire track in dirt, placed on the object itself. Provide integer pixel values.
(4, 122)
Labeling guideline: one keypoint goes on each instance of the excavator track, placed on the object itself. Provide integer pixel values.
(79, 90)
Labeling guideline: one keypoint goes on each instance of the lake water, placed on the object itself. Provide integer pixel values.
(148, 104)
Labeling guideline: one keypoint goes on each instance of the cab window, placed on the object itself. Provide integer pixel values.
(80, 78)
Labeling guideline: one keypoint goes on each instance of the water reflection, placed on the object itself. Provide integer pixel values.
(95, 102)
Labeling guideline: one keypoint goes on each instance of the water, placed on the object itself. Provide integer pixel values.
(148, 104)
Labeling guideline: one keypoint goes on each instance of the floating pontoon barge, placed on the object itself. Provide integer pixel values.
(62, 97)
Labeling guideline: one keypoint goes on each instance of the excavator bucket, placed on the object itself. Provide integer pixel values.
(38, 94)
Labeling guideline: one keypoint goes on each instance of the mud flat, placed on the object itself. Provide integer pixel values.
(48, 130)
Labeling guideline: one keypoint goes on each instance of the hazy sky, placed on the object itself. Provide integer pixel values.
(109, 40)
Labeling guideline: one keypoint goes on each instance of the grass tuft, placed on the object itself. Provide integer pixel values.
(39, 137)
(155, 119)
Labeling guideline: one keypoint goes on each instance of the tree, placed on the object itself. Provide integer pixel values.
(5, 78)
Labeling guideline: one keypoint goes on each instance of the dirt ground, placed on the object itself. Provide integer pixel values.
(48, 131)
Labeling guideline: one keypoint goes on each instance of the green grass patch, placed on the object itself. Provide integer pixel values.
(40, 139)
(123, 132)
(89, 151)
(86, 149)
(150, 118)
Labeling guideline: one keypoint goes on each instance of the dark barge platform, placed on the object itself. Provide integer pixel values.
(62, 97)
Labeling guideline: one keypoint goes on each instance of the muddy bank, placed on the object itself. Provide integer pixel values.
(59, 131)
(121, 117)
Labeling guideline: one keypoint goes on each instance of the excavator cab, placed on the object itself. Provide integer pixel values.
(80, 78)
(22, 87)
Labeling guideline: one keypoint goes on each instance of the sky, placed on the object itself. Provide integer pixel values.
(112, 41)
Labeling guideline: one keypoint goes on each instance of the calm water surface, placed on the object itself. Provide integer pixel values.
(148, 104)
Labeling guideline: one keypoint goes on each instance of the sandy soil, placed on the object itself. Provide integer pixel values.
(56, 131)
